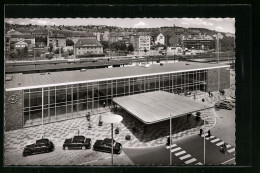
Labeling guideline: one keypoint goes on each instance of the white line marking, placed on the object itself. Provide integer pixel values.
(228, 146)
(199, 163)
(231, 150)
(185, 157)
(212, 137)
(175, 149)
(190, 161)
(227, 161)
(220, 143)
(207, 138)
(173, 145)
(215, 140)
(180, 153)
(203, 135)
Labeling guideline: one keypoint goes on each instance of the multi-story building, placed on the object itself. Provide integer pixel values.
(144, 43)
(201, 42)
(24, 38)
(7, 43)
(88, 46)
(62, 36)
(106, 35)
(160, 39)
(20, 45)
(57, 41)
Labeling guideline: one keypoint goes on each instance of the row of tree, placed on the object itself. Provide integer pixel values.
(117, 46)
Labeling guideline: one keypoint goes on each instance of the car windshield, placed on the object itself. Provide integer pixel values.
(42, 141)
(79, 138)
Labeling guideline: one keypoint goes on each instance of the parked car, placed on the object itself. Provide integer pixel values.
(106, 146)
(223, 105)
(43, 145)
(232, 103)
(77, 142)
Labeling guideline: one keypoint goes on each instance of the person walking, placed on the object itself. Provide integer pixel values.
(201, 131)
(104, 104)
(209, 133)
(168, 141)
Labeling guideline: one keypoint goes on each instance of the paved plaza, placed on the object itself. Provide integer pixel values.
(156, 134)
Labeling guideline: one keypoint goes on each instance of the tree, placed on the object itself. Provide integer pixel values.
(105, 44)
(51, 47)
(25, 51)
(69, 42)
(130, 47)
(119, 45)
(41, 39)
(12, 54)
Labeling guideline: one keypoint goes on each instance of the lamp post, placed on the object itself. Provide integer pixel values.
(42, 111)
(170, 139)
(112, 119)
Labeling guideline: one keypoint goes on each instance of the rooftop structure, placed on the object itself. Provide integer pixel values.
(26, 81)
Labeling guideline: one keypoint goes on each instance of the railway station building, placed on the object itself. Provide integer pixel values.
(31, 99)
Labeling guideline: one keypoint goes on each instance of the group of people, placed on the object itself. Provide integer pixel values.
(201, 132)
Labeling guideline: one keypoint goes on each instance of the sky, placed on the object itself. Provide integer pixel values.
(218, 24)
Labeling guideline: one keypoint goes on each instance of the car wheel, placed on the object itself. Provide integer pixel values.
(83, 147)
(25, 154)
(66, 148)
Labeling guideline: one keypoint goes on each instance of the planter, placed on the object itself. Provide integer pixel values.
(117, 131)
(100, 123)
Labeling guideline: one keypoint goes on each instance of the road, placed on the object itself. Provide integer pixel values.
(187, 151)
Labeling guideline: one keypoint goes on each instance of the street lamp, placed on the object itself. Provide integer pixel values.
(112, 119)
(170, 139)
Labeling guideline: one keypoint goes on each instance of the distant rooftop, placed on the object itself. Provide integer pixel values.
(37, 80)
(87, 43)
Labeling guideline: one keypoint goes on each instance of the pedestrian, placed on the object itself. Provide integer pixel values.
(168, 141)
(201, 131)
(209, 134)
(88, 116)
(209, 93)
(104, 104)
(203, 100)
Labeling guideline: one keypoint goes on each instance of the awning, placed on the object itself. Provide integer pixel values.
(153, 107)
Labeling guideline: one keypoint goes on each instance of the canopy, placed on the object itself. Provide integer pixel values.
(158, 106)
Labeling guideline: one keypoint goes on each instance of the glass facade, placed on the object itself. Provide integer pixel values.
(71, 101)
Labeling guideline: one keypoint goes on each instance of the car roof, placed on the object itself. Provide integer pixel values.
(107, 141)
(79, 137)
(42, 141)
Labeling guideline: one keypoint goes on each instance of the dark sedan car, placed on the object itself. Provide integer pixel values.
(223, 105)
(43, 145)
(106, 146)
(77, 142)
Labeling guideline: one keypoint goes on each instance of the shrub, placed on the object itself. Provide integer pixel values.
(117, 130)
(127, 137)
(65, 54)
(38, 54)
(198, 113)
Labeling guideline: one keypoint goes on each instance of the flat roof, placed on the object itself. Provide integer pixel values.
(157, 106)
(37, 80)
